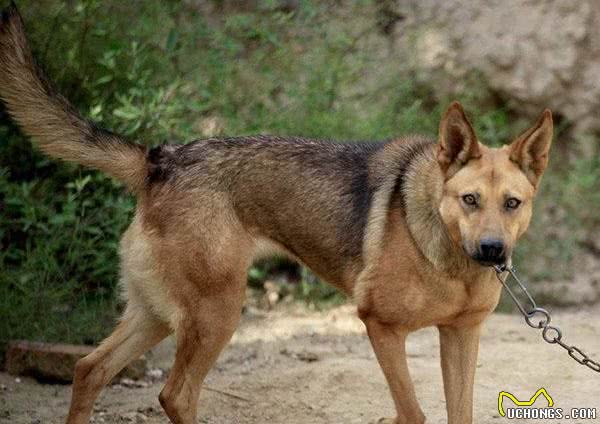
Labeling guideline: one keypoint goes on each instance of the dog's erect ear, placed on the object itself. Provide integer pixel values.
(530, 149)
(458, 143)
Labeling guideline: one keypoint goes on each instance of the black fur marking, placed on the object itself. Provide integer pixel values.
(9, 11)
(360, 193)
(160, 163)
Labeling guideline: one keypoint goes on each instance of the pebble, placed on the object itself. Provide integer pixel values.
(155, 373)
(133, 417)
(127, 382)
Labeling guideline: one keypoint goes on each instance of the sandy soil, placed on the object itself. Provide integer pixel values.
(292, 366)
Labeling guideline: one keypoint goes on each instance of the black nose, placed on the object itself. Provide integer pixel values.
(491, 250)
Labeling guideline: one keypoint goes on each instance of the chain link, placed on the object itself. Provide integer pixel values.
(540, 318)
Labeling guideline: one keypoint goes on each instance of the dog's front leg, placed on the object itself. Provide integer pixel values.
(389, 345)
(459, 347)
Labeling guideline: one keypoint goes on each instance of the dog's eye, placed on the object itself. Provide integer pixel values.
(512, 203)
(470, 199)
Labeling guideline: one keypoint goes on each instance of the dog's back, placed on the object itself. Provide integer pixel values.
(310, 197)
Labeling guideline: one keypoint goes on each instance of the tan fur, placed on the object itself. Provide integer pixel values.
(386, 223)
(433, 281)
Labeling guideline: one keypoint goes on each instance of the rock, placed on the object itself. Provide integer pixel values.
(133, 417)
(576, 292)
(306, 356)
(129, 383)
(155, 373)
(150, 410)
(272, 294)
(211, 126)
(56, 362)
(533, 53)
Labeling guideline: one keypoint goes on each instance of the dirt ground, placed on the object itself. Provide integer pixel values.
(292, 366)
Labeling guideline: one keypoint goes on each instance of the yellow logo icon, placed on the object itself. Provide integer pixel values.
(517, 402)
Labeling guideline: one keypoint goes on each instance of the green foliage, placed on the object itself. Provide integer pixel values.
(315, 293)
(172, 71)
(59, 256)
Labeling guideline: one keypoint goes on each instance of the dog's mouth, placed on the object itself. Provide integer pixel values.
(490, 262)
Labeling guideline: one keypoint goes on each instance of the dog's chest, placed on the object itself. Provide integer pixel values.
(416, 299)
(470, 301)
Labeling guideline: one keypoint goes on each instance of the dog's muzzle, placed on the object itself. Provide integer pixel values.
(491, 252)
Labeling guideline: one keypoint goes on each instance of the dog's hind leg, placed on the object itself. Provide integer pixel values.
(137, 332)
(205, 328)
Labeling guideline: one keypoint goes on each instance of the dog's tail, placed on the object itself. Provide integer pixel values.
(51, 120)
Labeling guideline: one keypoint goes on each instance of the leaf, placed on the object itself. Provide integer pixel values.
(172, 39)
(126, 113)
(104, 79)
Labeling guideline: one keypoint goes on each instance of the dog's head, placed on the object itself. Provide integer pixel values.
(488, 192)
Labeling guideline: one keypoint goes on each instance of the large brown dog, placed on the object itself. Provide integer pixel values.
(408, 227)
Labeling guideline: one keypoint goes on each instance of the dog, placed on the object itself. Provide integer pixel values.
(409, 228)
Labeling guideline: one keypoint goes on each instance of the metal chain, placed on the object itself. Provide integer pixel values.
(540, 318)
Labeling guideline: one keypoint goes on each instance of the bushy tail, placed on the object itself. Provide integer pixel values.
(51, 120)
